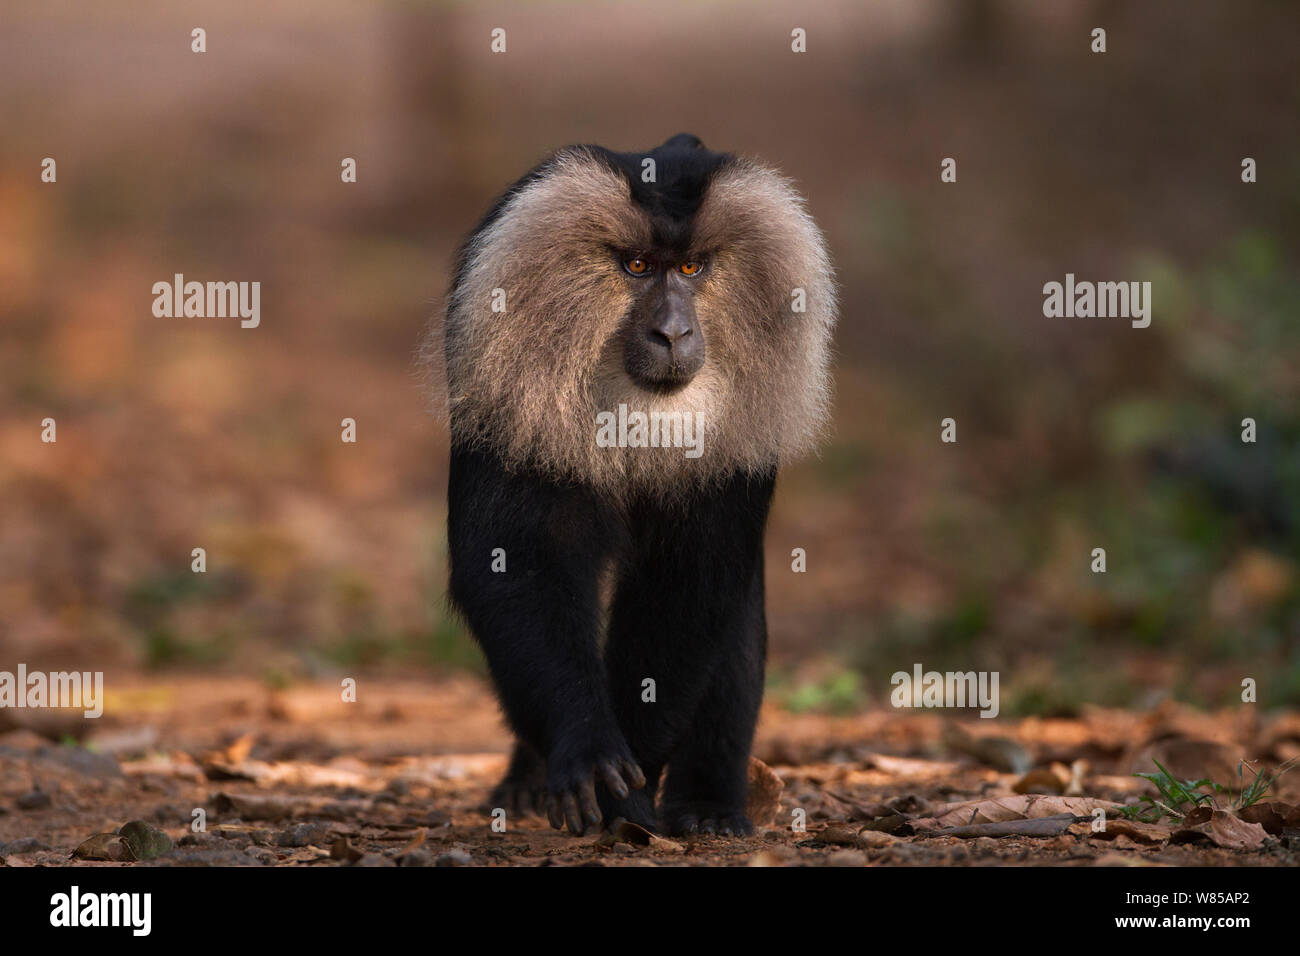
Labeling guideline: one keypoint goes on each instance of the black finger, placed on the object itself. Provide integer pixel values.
(553, 811)
(571, 814)
(587, 800)
(633, 775)
(612, 780)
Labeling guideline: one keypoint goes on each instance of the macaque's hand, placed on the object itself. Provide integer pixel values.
(571, 784)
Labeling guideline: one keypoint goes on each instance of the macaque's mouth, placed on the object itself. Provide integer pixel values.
(663, 384)
(657, 370)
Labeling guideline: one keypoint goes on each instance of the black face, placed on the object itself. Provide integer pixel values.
(663, 346)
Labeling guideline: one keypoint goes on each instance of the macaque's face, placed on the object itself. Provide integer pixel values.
(672, 282)
(663, 344)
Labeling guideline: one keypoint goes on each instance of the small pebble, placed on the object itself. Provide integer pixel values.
(36, 800)
(301, 834)
(23, 845)
(416, 858)
(847, 858)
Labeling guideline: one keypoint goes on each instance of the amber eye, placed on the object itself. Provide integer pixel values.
(637, 266)
(689, 268)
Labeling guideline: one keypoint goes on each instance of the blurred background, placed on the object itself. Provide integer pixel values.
(329, 558)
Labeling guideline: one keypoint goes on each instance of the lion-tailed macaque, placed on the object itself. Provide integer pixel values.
(633, 343)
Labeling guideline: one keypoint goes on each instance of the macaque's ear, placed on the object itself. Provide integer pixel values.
(684, 141)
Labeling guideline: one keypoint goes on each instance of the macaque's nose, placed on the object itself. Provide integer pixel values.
(665, 347)
(676, 338)
(671, 325)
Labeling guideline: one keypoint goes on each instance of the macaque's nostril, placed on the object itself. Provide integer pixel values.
(670, 332)
(667, 338)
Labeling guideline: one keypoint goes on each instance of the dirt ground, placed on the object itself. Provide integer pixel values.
(401, 776)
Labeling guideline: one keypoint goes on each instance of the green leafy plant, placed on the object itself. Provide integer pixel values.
(1177, 797)
(1253, 792)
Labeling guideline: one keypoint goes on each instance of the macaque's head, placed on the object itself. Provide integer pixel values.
(677, 281)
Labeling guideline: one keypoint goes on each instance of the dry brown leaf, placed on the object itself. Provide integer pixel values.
(1266, 816)
(1281, 737)
(290, 774)
(250, 807)
(625, 831)
(454, 767)
(1053, 779)
(910, 766)
(1000, 753)
(105, 846)
(863, 838)
(1037, 827)
(860, 810)
(420, 836)
(1078, 770)
(839, 835)
(1170, 719)
(1002, 809)
(1124, 860)
(764, 793)
(345, 851)
(306, 854)
(1151, 833)
(890, 822)
(1221, 828)
(226, 762)
(238, 751)
(875, 839)
(179, 765)
(221, 770)
(260, 835)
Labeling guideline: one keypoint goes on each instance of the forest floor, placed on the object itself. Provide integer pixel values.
(298, 777)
